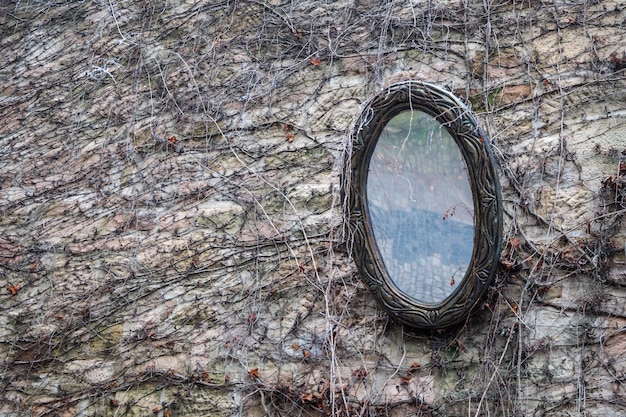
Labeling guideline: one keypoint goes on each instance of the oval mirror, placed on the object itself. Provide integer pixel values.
(424, 205)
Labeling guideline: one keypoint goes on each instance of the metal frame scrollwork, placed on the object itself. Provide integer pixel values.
(475, 148)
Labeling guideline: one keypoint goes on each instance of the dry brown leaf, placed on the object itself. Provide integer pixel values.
(253, 373)
(13, 288)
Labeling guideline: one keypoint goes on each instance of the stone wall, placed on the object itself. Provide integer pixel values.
(171, 227)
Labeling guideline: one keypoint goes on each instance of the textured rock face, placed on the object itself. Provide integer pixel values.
(171, 227)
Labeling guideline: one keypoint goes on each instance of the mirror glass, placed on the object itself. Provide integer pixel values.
(421, 207)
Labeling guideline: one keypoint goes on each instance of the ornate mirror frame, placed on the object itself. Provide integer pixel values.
(485, 188)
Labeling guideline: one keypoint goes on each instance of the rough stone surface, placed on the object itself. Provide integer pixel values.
(171, 224)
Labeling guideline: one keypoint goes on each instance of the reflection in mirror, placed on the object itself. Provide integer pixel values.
(421, 206)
